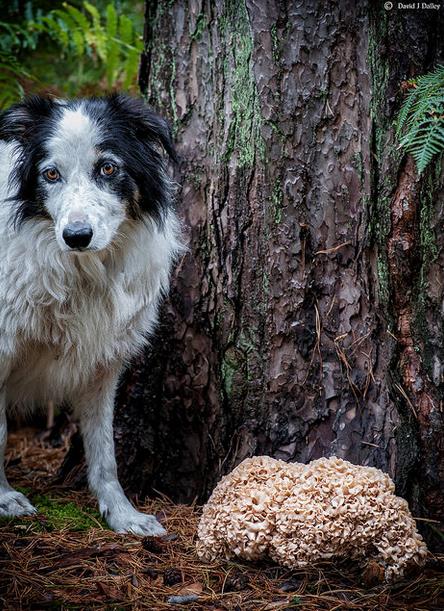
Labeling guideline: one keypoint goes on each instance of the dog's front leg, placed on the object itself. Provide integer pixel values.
(96, 424)
(12, 502)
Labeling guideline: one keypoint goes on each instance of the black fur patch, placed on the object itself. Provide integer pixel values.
(29, 123)
(136, 135)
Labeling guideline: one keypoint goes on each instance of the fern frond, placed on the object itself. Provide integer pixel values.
(79, 42)
(131, 67)
(65, 19)
(77, 16)
(423, 110)
(111, 21)
(420, 123)
(54, 29)
(96, 36)
(103, 44)
(126, 29)
(92, 10)
(10, 73)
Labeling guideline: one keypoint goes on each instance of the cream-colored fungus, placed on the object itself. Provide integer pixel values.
(297, 514)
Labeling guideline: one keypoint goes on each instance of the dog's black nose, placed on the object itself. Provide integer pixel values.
(78, 234)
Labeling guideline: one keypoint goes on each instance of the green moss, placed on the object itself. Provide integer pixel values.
(276, 51)
(381, 184)
(276, 129)
(60, 514)
(244, 132)
(266, 282)
(277, 197)
(429, 247)
(236, 366)
(201, 24)
(233, 363)
(24, 490)
(383, 279)
(194, 177)
(248, 345)
(172, 92)
(57, 514)
(228, 370)
(379, 67)
(429, 253)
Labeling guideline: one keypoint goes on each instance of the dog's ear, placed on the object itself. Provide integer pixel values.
(21, 119)
(144, 122)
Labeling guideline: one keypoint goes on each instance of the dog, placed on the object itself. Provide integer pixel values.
(88, 235)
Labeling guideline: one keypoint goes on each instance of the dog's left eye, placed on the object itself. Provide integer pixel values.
(108, 169)
(51, 174)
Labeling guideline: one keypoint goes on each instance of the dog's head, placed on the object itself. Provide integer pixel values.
(88, 165)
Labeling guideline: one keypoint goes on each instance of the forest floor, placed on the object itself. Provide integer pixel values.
(66, 558)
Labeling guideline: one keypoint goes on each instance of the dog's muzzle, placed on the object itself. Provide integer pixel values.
(78, 234)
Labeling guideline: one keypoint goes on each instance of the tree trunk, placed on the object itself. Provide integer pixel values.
(305, 320)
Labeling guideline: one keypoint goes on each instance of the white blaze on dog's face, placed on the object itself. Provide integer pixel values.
(86, 166)
(78, 179)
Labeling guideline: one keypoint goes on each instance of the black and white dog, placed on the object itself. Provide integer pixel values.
(87, 239)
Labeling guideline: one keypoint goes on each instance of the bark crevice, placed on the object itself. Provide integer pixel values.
(420, 436)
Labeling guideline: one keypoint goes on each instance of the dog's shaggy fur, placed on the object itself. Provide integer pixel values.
(87, 239)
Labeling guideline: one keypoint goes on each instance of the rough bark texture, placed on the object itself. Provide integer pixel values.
(306, 318)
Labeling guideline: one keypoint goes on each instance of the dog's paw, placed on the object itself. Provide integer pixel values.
(13, 503)
(136, 523)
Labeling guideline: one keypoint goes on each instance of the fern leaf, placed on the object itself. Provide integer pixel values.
(111, 21)
(73, 33)
(10, 73)
(55, 30)
(79, 42)
(131, 67)
(113, 50)
(65, 18)
(424, 143)
(112, 63)
(423, 109)
(78, 16)
(92, 10)
(126, 29)
(96, 36)
(405, 112)
(426, 147)
(420, 123)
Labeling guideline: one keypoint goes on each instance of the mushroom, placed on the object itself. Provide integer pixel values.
(296, 514)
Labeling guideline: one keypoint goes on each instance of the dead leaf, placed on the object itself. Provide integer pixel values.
(373, 573)
(192, 588)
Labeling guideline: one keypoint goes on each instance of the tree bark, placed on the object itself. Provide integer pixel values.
(305, 320)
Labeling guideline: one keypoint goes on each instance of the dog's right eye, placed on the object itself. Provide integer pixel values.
(52, 175)
(108, 169)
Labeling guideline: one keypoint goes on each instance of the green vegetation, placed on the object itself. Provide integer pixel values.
(420, 124)
(382, 183)
(244, 132)
(69, 50)
(58, 514)
(277, 197)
